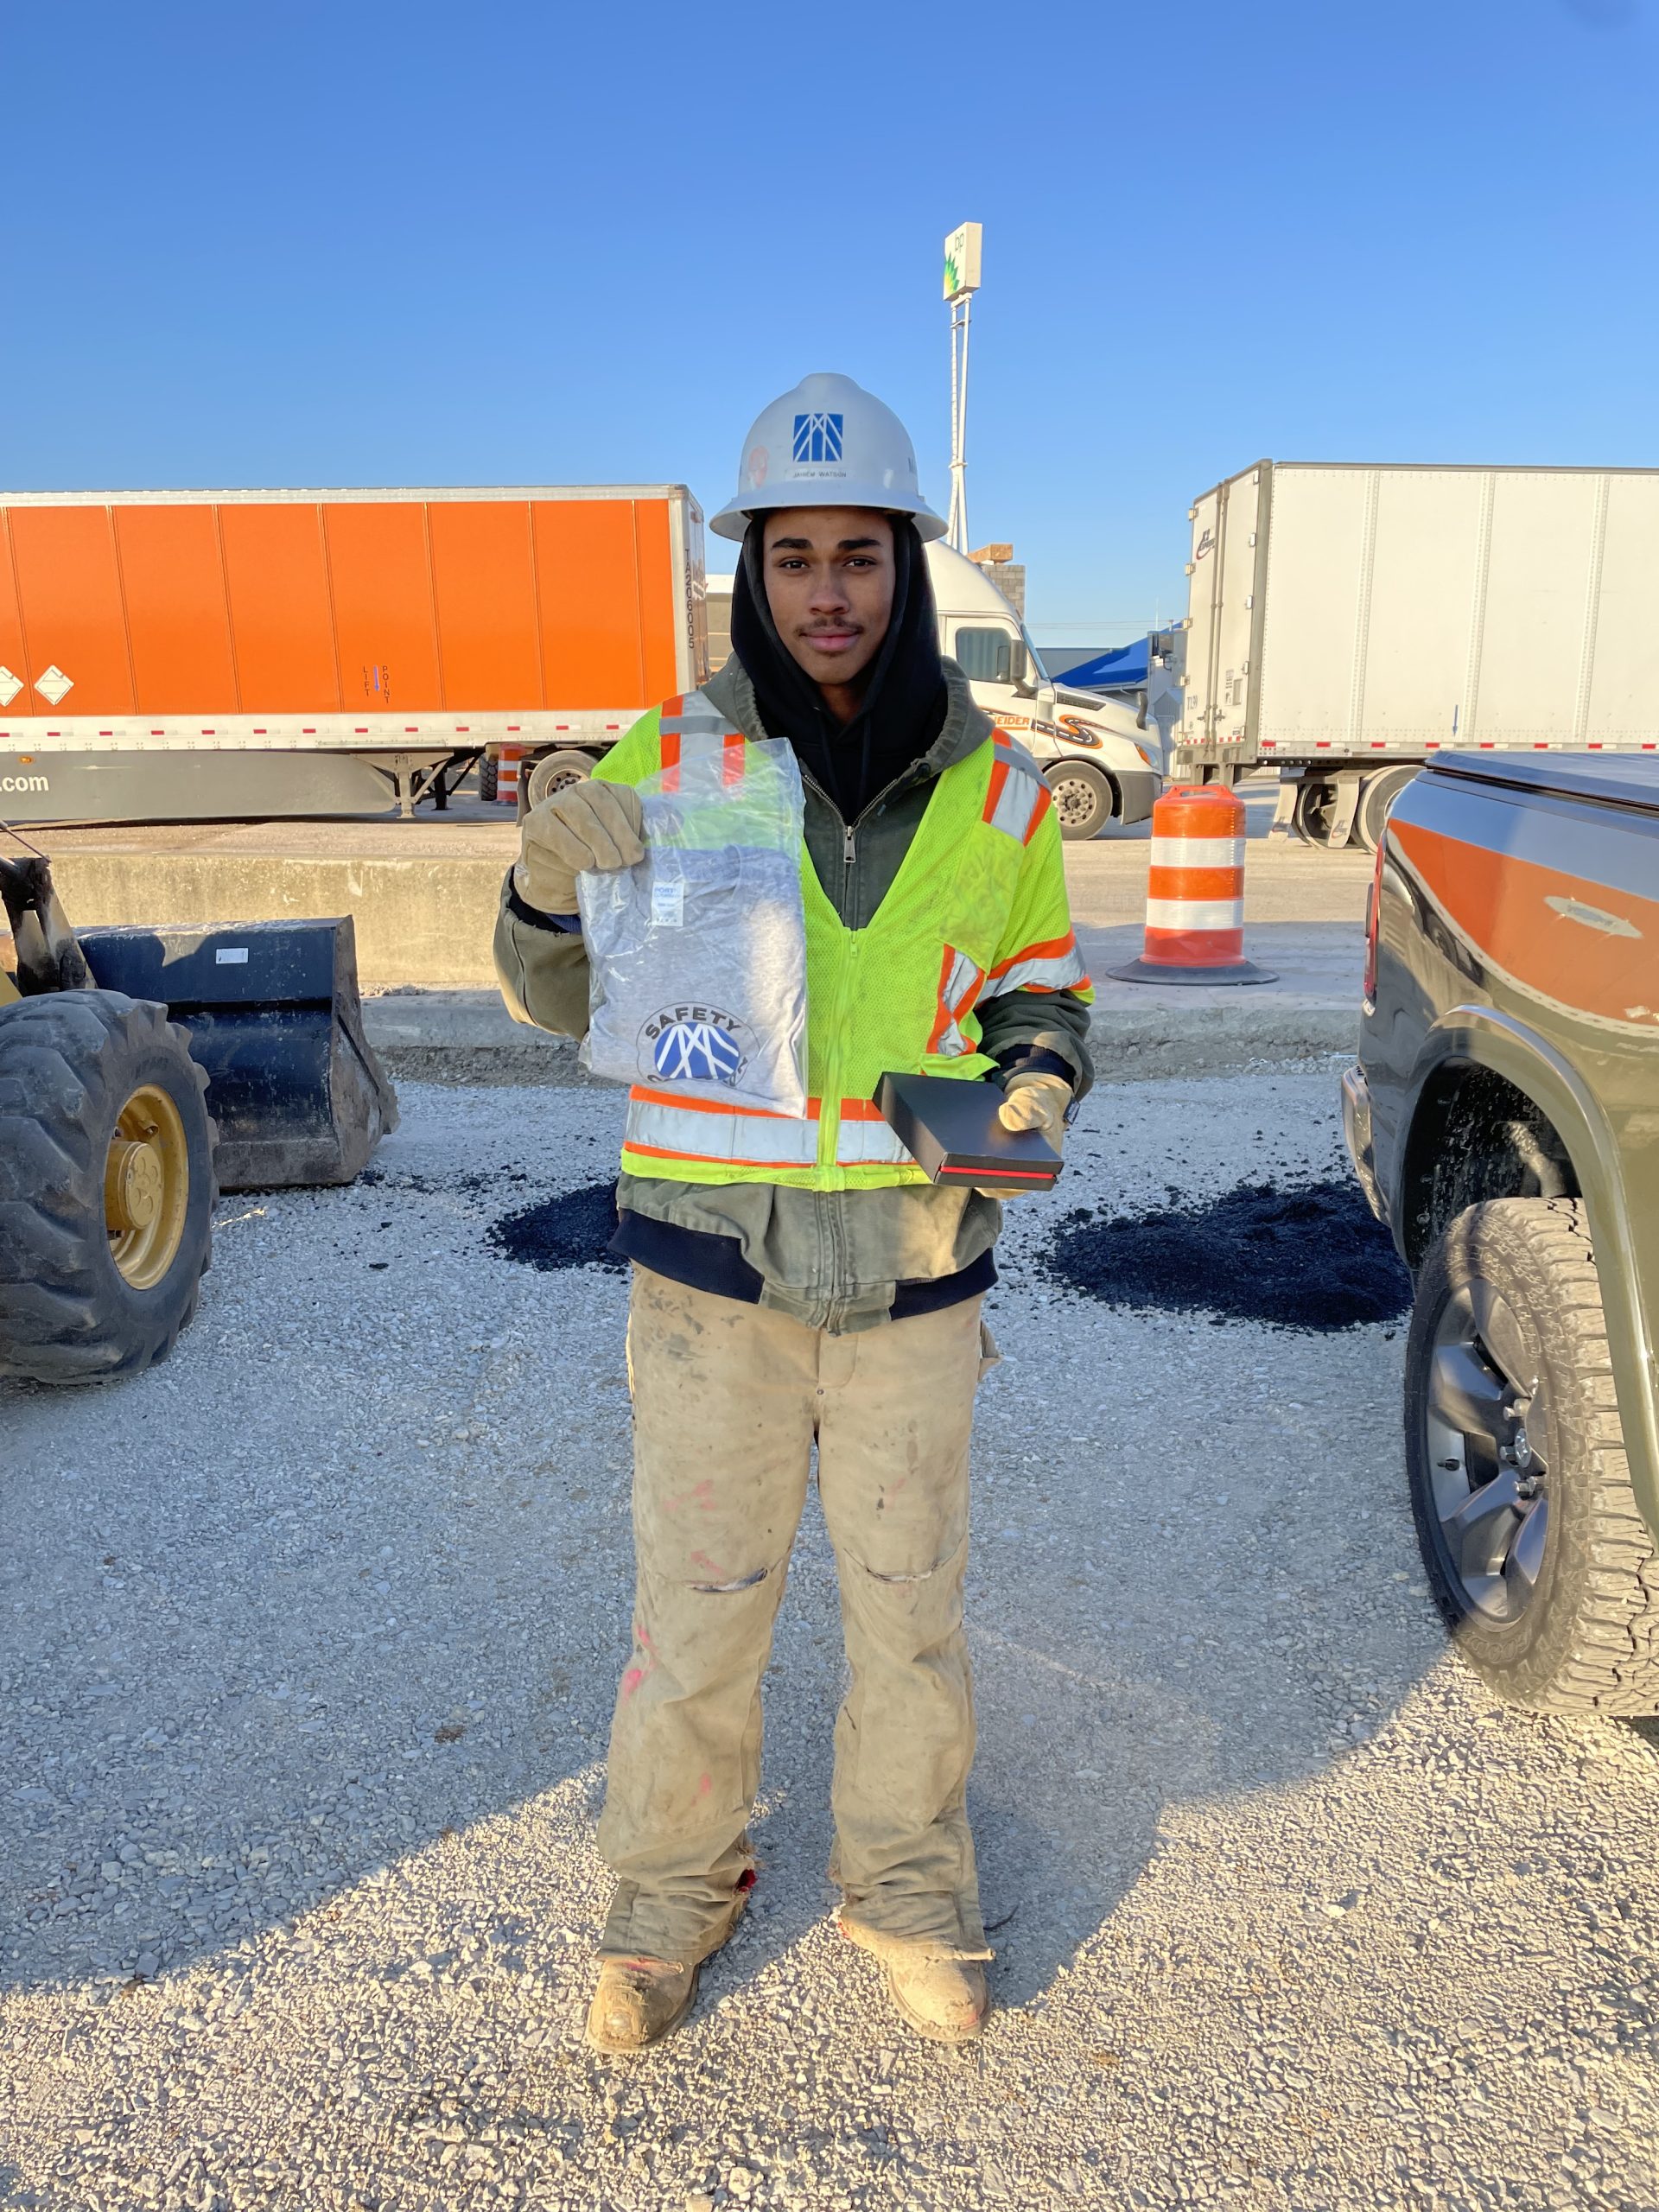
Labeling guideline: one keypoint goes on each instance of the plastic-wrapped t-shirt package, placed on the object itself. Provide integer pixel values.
(698, 953)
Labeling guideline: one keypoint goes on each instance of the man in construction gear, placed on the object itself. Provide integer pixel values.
(801, 1281)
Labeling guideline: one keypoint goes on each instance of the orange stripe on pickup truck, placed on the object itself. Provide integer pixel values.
(1537, 924)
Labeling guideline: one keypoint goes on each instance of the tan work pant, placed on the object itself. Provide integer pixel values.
(728, 1400)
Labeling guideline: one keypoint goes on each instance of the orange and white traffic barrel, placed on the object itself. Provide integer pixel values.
(1195, 892)
(506, 774)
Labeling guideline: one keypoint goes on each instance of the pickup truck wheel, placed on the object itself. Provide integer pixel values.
(1083, 798)
(1537, 1552)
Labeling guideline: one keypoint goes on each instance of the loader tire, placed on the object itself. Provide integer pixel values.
(106, 1186)
(1536, 1548)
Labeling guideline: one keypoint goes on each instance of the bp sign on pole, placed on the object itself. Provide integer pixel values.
(962, 260)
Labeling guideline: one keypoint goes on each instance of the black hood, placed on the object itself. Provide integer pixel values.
(904, 704)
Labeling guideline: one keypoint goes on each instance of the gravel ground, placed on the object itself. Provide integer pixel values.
(309, 1646)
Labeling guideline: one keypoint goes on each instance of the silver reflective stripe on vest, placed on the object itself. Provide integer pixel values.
(697, 714)
(959, 987)
(1023, 800)
(702, 1129)
(695, 734)
(863, 1143)
(731, 1136)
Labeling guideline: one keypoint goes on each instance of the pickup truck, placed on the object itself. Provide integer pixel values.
(1503, 1121)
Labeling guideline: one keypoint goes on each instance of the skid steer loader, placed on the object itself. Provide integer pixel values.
(106, 1159)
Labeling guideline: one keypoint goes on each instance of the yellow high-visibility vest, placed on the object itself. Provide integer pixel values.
(978, 907)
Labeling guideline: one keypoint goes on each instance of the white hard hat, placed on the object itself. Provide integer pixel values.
(828, 443)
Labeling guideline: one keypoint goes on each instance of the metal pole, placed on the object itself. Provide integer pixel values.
(956, 534)
(961, 515)
(950, 531)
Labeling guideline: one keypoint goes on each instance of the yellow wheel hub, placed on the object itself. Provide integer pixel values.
(146, 1186)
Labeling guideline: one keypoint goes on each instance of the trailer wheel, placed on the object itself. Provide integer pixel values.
(555, 772)
(106, 1186)
(486, 777)
(1536, 1548)
(1083, 798)
(1376, 794)
(1316, 810)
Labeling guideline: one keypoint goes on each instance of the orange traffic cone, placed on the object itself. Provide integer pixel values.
(1195, 892)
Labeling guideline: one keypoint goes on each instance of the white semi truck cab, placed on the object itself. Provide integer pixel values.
(1101, 765)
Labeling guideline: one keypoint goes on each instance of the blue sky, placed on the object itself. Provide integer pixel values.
(362, 243)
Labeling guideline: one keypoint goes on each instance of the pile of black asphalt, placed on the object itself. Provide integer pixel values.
(1305, 1255)
(573, 1230)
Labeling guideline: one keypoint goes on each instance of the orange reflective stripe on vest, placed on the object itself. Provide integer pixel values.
(1055, 964)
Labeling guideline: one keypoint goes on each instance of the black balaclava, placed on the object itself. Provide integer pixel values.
(902, 710)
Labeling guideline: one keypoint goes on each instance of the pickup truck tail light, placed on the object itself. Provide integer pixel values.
(1372, 917)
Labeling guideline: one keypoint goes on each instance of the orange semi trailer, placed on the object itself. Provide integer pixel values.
(197, 656)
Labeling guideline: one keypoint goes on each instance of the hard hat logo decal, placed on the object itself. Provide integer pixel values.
(818, 437)
(760, 461)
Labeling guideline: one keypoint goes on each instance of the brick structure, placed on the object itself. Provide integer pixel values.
(1005, 572)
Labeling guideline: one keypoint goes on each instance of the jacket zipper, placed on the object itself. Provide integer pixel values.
(849, 829)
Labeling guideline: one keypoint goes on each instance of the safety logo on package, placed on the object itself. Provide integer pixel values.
(696, 1043)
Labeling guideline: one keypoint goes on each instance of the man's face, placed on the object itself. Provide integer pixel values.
(830, 579)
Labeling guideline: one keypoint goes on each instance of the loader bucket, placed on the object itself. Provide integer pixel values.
(274, 1017)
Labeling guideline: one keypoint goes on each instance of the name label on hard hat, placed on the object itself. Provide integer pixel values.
(231, 955)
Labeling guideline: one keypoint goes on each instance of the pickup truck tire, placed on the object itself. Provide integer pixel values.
(1084, 797)
(1537, 1553)
(106, 1185)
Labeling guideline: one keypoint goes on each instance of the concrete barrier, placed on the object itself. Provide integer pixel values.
(425, 924)
(422, 920)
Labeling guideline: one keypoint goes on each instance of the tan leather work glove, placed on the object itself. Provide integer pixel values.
(589, 825)
(1034, 1102)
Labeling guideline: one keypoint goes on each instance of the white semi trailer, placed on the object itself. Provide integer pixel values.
(1344, 622)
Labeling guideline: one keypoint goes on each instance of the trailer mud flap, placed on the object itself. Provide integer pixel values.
(274, 1017)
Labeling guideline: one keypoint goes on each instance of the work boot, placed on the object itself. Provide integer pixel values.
(944, 1998)
(637, 2000)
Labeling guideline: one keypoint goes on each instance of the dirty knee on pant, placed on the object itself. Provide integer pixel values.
(727, 1399)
